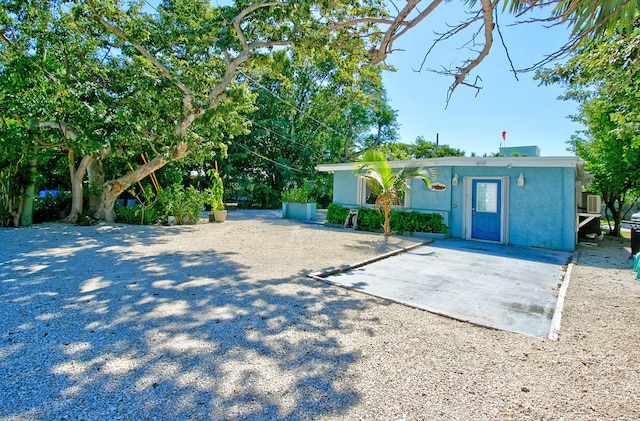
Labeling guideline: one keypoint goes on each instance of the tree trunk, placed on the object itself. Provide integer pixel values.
(77, 191)
(387, 220)
(114, 188)
(614, 229)
(95, 174)
(26, 219)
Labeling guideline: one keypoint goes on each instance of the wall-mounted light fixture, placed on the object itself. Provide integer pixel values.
(521, 180)
(454, 180)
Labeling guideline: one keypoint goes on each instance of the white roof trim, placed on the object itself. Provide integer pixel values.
(531, 161)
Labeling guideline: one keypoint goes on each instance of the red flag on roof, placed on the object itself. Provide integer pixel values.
(504, 135)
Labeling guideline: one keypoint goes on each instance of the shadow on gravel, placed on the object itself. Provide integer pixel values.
(91, 330)
(609, 253)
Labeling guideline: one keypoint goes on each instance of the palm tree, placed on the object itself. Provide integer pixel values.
(389, 186)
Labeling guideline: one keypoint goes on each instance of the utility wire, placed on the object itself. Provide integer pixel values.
(272, 161)
(277, 134)
(321, 123)
(287, 139)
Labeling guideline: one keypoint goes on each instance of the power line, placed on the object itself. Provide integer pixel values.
(272, 161)
(321, 123)
(273, 133)
(277, 134)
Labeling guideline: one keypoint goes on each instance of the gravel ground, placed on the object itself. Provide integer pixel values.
(218, 321)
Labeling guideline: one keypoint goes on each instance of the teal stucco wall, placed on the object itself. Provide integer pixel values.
(542, 213)
(345, 188)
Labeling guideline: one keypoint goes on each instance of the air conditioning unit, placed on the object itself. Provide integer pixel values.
(594, 204)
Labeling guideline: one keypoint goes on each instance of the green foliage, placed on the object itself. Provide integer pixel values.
(424, 149)
(215, 193)
(603, 78)
(138, 215)
(336, 214)
(322, 189)
(401, 222)
(595, 18)
(51, 208)
(370, 220)
(417, 222)
(298, 195)
(313, 106)
(421, 149)
(184, 204)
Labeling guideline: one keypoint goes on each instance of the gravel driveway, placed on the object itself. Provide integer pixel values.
(218, 321)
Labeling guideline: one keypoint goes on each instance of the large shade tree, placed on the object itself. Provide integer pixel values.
(307, 111)
(604, 79)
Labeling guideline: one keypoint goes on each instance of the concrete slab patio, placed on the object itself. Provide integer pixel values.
(503, 287)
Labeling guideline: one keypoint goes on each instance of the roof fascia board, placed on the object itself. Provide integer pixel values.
(540, 162)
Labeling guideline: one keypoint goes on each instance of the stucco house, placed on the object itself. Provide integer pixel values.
(526, 200)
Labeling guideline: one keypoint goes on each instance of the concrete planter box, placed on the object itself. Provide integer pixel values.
(299, 211)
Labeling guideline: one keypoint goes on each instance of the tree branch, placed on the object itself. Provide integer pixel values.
(7, 41)
(460, 76)
(216, 95)
(355, 22)
(67, 131)
(188, 97)
(236, 22)
(419, 18)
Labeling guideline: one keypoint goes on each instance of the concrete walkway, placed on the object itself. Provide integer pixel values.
(503, 287)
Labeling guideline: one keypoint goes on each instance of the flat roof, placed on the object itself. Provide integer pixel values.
(474, 161)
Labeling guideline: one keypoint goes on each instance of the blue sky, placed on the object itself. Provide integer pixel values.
(529, 113)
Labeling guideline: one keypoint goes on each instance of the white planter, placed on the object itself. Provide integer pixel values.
(299, 211)
(220, 215)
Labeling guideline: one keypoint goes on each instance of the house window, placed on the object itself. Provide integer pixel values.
(367, 198)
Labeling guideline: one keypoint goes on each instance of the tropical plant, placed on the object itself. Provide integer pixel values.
(298, 195)
(389, 185)
(215, 193)
(184, 204)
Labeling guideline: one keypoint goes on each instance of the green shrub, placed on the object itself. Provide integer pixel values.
(51, 208)
(298, 195)
(185, 205)
(370, 219)
(336, 214)
(138, 215)
(417, 222)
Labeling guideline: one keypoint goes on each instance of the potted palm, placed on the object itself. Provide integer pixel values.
(298, 203)
(216, 197)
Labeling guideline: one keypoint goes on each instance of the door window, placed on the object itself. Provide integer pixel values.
(487, 197)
